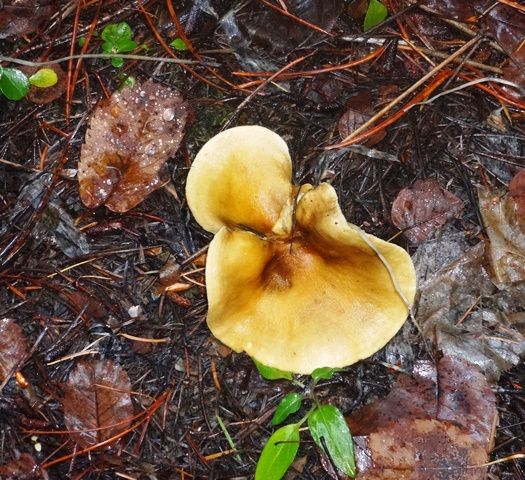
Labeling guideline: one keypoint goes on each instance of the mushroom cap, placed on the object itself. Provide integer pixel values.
(240, 177)
(318, 298)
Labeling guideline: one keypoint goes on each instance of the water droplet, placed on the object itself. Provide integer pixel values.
(168, 114)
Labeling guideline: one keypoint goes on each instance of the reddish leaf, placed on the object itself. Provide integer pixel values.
(97, 402)
(424, 208)
(13, 347)
(517, 192)
(431, 425)
(21, 17)
(81, 302)
(42, 96)
(23, 468)
(129, 139)
(359, 110)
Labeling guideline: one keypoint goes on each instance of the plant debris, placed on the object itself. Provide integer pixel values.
(13, 347)
(445, 416)
(129, 139)
(422, 209)
(97, 402)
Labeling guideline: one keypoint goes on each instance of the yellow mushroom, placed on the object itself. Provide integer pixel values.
(295, 294)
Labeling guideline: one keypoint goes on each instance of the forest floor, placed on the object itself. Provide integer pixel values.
(93, 296)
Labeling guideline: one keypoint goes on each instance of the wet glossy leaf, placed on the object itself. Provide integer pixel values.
(375, 14)
(130, 137)
(116, 32)
(117, 62)
(438, 416)
(324, 373)
(278, 453)
(44, 78)
(330, 432)
(179, 44)
(420, 210)
(97, 402)
(290, 404)
(13, 346)
(14, 84)
(270, 373)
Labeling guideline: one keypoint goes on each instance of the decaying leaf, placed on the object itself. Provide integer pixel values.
(128, 141)
(464, 314)
(506, 238)
(97, 402)
(22, 468)
(517, 192)
(359, 108)
(21, 17)
(420, 210)
(435, 424)
(13, 346)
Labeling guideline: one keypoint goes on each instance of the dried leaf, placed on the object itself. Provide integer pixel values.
(419, 211)
(431, 425)
(506, 238)
(97, 402)
(82, 302)
(517, 192)
(21, 17)
(13, 346)
(129, 139)
(359, 110)
(451, 315)
(22, 468)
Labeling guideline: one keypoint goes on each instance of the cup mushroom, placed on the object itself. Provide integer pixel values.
(289, 280)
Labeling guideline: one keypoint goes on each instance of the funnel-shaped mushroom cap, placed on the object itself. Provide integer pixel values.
(319, 298)
(242, 176)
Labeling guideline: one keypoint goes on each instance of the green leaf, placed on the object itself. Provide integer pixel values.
(375, 14)
(291, 403)
(116, 32)
(270, 373)
(117, 62)
(324, 373)
(124, 46)
(278, 453)
(14, 84)
(1, 70)
(43, 78)
(327, 423)
(81, 41)
(179, 44)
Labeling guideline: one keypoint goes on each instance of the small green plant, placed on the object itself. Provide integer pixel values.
(375, 14)
(326, 425)
(118, 38)
(14, 84)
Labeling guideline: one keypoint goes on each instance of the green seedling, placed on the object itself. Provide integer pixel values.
(118, 38)
(14, 83)
(326, 425)
(375, 14)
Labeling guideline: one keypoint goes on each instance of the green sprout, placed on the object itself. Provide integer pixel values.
(14, 83)
(375, 14)
(118, 38)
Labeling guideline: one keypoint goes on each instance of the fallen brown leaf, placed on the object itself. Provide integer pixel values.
(22, 468)
(13, 346)
(21, 17)
(129, 139)
(420, 210)
(517, 192)
(42, 96)
(506, 238)
(435, 424)
(97, 402)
